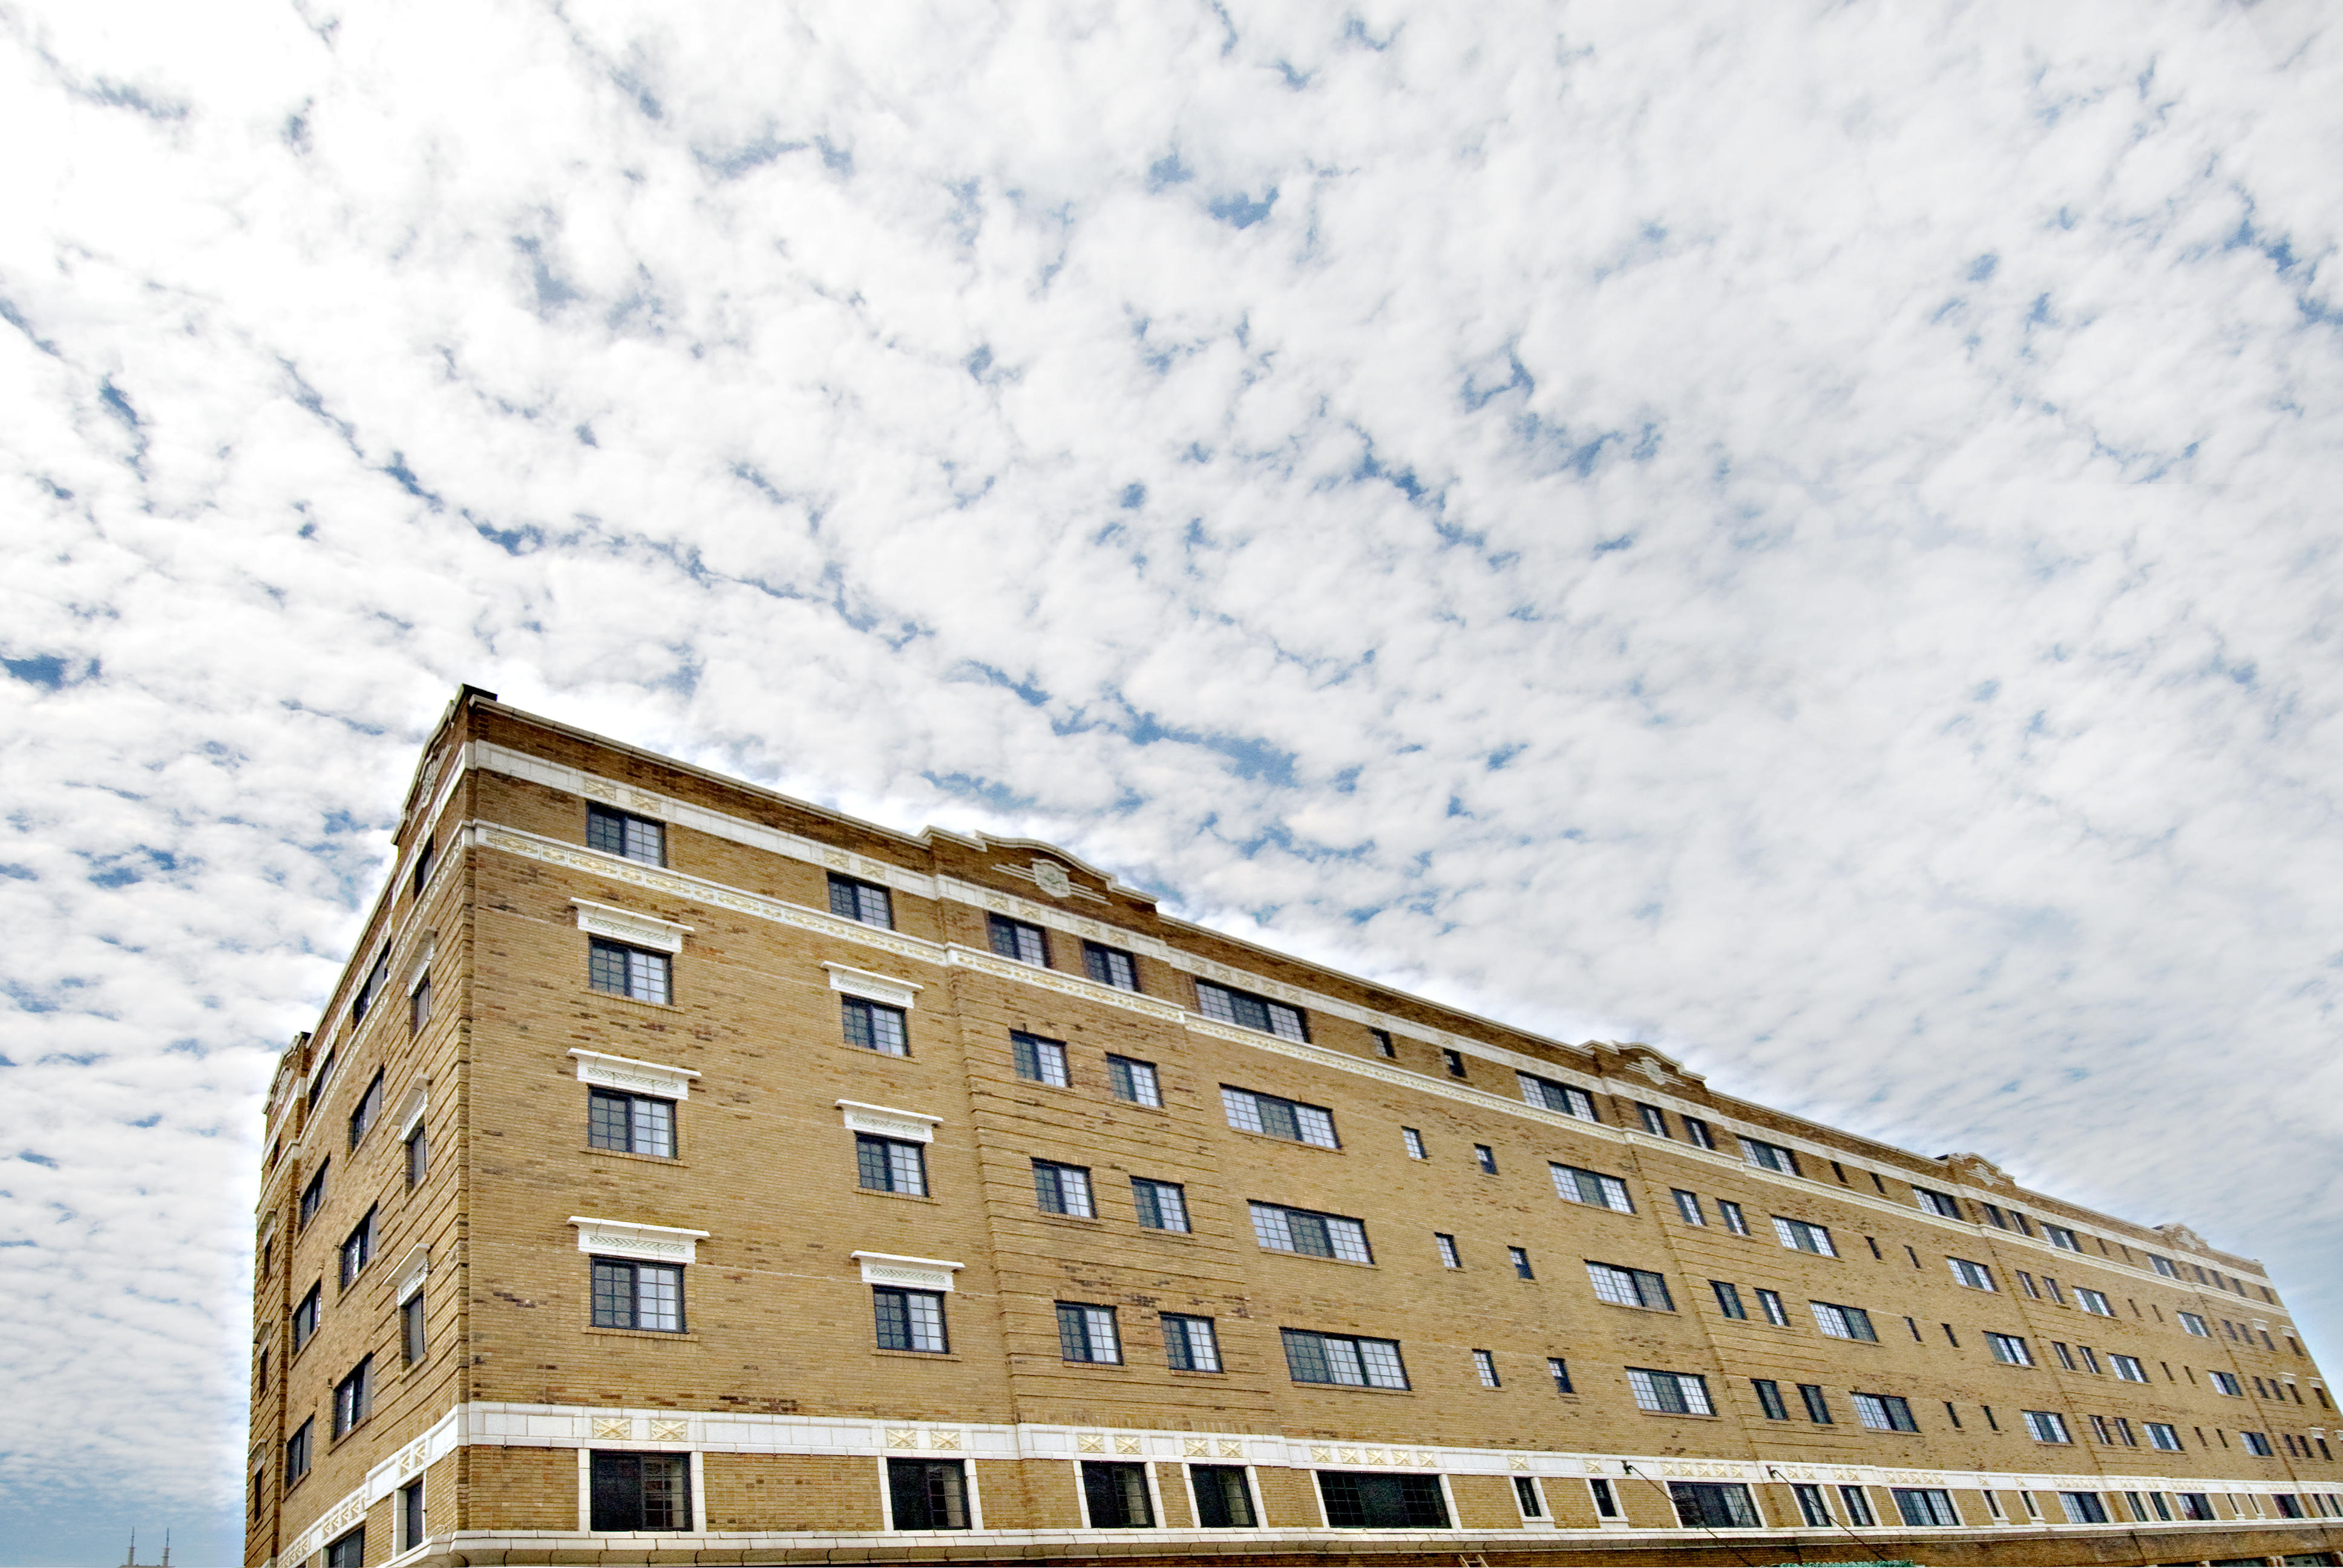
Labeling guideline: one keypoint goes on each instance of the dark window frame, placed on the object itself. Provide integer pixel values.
(620, 1500)
(602, 1302)
(629, 837)
(1116, 1496)
(603, 1126)
(1020, 941)
(852, 898)
(876, 1156)
(612, 968)
(928, 1494)
(1110, 966)
(895, 1326)
(861, 1022)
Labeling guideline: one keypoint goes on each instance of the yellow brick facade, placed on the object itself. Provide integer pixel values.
(786, 1412)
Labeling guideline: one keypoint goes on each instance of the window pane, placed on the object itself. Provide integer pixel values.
(614, 1295)
(654, 1128)
(659, 1298)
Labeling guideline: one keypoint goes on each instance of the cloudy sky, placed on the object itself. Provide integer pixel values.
(1800, 534)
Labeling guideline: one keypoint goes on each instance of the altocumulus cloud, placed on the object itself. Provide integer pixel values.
(1801, 534)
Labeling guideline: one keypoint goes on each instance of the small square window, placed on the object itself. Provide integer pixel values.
(631, 1123)
(1062, 1189)
(865, 902)
(891, 1165)
(1190, 1343)
(1110, 966)
(875, 1026)
(618, 833)
(1162, 1205)
(909, 1319)
(1016, 940)
(635, 973)
(1133, 1081)
(1087, 1334)
(628, 1295)
(1453, 1061)
(1039, 1061)
(1384, 1046)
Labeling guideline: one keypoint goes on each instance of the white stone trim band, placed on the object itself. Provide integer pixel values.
(627, 926)
(624, 1238)
(627, 1073)
(886, 1121)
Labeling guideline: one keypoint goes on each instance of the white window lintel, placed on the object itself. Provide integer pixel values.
(626, 1239)
(629, 925)
(873, 986)
(628, 1073)
(919, 1273)
(411, 1110)
(413, 1269)
(886, 1121)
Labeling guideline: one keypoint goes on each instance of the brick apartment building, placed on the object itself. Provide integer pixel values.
(681, 1172)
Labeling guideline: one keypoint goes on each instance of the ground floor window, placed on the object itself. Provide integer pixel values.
(928, 1494)
(641, 1492)
(1717, 1506)
(349, 1552)
(1367, 1501)
(1117, 1495)
(1223, 1501)
(1923, 1505)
